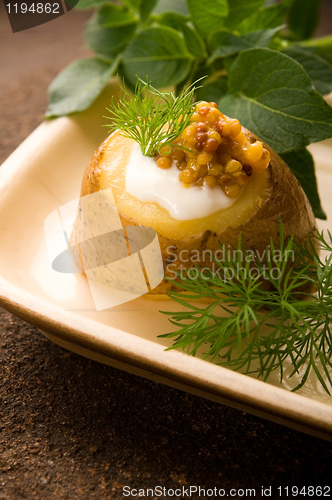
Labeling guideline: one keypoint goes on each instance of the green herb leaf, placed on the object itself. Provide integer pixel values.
(319, 70)
(210, 17)
(159, 52)
(178, 6)
(273, 97)
(304, 17)
(268, 17)
(114, 16)
(301, 164)
(179, 22)
(110, 29)
(133, 4)
(78, 85)
(240, 10)
(146, 8)
(228, 44)
(87, 4)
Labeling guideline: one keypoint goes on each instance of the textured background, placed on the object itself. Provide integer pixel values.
(74, 429)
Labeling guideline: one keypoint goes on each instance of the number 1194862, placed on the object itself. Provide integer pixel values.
(35, 8)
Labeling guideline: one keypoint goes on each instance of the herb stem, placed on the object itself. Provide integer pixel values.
(323, 42)
(218, 74)
(322, 46)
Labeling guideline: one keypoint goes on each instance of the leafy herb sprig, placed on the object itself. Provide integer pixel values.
(152, 118)
(261, 63)
(247, 328)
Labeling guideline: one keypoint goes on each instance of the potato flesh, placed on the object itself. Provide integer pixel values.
(113, 163)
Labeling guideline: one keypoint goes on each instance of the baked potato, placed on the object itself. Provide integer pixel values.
(269, 191)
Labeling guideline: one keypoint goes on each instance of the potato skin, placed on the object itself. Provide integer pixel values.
(285, 199)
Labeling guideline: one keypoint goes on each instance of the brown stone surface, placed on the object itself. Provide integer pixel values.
(71, 428)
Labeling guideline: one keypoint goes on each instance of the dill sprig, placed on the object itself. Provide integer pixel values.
(247, 328)
(150, 117)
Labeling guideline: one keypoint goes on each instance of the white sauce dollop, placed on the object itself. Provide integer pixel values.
(147, 182)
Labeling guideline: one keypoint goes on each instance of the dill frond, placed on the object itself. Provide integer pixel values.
(150, 117)
(256, 331)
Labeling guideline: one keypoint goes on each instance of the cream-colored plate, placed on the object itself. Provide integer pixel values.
(44, 173)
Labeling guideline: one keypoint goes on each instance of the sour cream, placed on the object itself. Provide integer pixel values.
(147, 182)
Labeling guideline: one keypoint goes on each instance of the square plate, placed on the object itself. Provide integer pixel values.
(44, 173)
